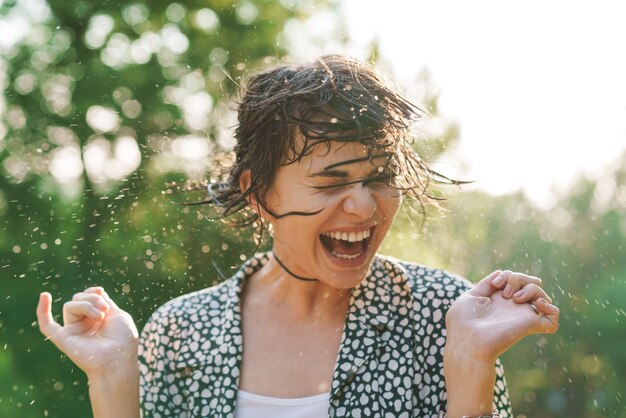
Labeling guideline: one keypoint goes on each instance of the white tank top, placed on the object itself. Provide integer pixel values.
(250, 405)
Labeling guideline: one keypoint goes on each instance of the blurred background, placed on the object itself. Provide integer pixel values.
(104, 103)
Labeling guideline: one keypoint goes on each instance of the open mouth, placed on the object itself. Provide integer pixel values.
(348, 246)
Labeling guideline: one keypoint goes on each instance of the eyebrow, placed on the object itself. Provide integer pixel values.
(329, 172)
(343, 174)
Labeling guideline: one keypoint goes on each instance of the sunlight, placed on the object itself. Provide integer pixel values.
(537, 108)
(207, 20)
(193, 148)
(102, 119)
(98, 29)
(65, 164)
(105, 162)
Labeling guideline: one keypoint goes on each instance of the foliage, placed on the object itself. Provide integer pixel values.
(105, 102)
(578, 249)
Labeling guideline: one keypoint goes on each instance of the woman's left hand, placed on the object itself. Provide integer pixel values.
(483, 323)
(486, 321)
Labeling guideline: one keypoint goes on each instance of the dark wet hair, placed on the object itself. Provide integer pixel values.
(334, 98)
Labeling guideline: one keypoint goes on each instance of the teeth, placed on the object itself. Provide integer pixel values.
(345, 256)
(349, 236)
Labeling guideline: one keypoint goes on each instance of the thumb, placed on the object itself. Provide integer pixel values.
(47, 325)
(548, 316)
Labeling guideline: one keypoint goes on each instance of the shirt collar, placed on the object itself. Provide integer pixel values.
(375, 301)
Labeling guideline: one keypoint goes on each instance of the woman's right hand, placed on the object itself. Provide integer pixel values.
(96, 334)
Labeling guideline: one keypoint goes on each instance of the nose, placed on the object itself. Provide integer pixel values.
(360, 202)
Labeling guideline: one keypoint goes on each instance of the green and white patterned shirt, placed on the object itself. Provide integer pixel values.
(390, 360)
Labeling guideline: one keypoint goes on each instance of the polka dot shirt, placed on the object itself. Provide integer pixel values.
(390, 360)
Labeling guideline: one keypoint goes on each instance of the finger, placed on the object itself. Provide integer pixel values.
(545, 307)
(549, 318)
(95, 299)
(530, 292)
(47, 325)
(110, 301)
(75, 311)
(501, 279)
(94, 289)
(100, 291)
(484, 288)
(518, 280)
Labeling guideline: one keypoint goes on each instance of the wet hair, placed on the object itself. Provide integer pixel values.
(333, 99)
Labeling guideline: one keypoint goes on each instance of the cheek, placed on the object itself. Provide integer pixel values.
(390, 206)
(296, 232)
(295, 198)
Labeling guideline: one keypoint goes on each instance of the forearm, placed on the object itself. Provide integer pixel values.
(469, 383)
(116, 393)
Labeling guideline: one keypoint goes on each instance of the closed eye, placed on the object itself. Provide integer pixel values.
(386, 179)
(338, 185)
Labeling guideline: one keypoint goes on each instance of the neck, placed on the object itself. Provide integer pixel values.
(274, 284)
(295, 276)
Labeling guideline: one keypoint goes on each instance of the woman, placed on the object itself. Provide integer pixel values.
(323, 161)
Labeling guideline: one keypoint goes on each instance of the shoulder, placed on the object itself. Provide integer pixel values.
(205, 310)
(182, 312)
(428, 283)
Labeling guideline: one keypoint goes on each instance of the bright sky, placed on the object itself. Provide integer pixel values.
(538, 87)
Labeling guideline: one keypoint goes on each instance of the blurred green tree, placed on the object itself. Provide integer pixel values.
(578, 248)
(103, 103)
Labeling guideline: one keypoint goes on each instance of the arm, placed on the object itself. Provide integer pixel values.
(101, 339)
(117, 393)
(160, 383)
(482, 324)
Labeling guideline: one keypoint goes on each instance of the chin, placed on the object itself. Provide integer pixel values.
(348, 277)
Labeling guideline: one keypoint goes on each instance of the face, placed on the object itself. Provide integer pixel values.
(354, 207)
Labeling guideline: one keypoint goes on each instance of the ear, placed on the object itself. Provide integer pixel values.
(245, 181)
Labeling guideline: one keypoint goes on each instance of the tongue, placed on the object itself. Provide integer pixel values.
(343, 247)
